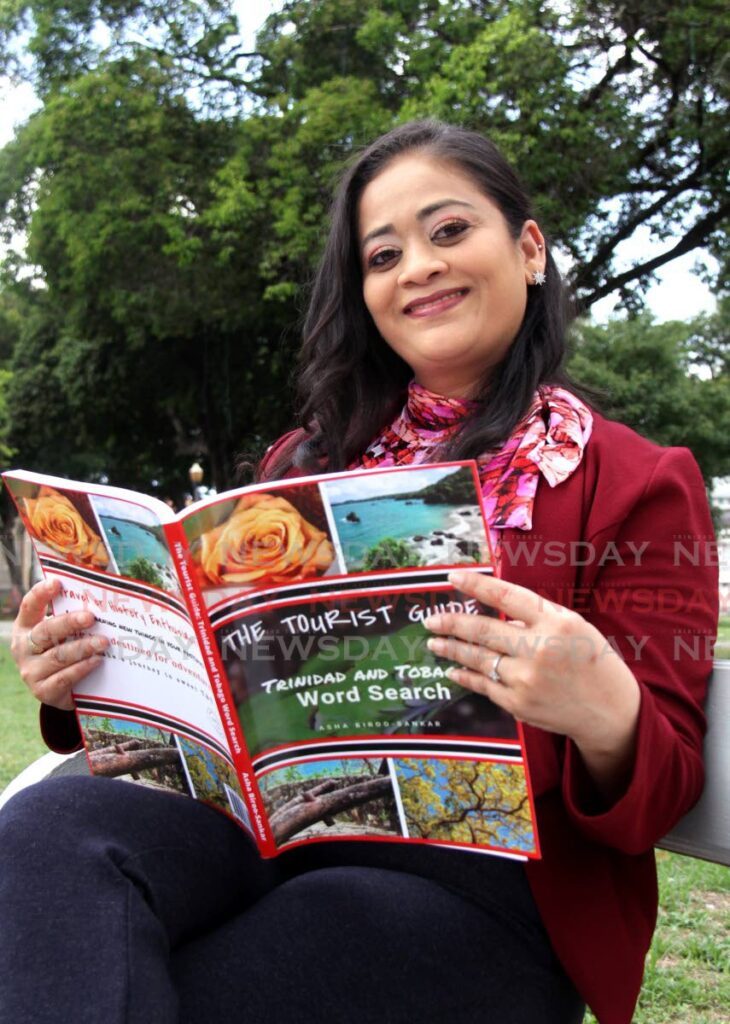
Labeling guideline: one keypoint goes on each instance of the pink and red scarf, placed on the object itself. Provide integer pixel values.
(548, 441)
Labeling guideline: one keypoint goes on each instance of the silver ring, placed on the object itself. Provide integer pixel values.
(494, 674)
(33, 647)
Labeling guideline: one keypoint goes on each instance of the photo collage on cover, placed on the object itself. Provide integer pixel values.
(445, 800)
(291, 533)
(309, 666)
(348, 657)
(96, 532)
(155, 756)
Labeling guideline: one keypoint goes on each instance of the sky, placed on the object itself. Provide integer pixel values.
(677, 295)
(383, 484)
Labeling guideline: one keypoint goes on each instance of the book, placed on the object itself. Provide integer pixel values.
(267, 654)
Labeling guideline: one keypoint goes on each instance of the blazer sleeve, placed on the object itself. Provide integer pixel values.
(60, 729)
(656, 600)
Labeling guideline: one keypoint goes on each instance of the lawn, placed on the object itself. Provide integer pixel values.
(688, 970)
(722, 648)
(20, 741)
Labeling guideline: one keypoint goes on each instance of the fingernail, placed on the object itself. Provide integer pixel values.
(84, 618)
(432, 622)
(99, 643)
(452, 674)
(458, 579)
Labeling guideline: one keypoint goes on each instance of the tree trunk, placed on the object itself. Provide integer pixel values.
(132, 761)
(312, 806)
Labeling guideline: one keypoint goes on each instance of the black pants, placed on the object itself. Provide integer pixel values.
(118, 904)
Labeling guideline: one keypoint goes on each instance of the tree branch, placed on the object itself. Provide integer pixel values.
(695, 237)
(307, 808)
(630, 225)
(624, 62)
(131, 761)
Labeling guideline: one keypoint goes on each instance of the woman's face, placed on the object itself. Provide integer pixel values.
(443, 279)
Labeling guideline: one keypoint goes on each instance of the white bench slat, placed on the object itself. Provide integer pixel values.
(705, 830)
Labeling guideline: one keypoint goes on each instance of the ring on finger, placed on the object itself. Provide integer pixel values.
(33, 647)
(494, 672)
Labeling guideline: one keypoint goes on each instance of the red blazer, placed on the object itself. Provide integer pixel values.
(629, 502)
(627, 541)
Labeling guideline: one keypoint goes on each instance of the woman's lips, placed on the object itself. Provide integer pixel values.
(432, 305)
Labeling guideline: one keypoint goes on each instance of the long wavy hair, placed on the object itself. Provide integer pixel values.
(351, 384)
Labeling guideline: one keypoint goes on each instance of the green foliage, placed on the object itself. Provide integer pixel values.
(143, 569)
(457, 488)
(174, 193)
(467, 802)
(668, 381)
(390, 553)
(20, 738)
(209, 773)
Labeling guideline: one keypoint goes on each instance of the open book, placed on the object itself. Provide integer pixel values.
(268, 654)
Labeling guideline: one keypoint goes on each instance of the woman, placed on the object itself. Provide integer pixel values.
(437, 287)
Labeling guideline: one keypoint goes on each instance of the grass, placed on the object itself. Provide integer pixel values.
(20, 740)
(722, 648)
(687, 977)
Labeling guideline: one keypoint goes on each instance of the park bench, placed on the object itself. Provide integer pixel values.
(704, 832)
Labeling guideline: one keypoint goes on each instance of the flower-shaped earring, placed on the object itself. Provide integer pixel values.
(538, 277)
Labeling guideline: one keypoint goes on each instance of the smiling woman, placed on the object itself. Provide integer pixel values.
(436, 331)
(445, 281)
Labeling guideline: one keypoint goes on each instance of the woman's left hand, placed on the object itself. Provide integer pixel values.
(547, 666)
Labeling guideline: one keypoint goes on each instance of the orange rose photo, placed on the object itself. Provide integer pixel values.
(65, 523)
(262, 539)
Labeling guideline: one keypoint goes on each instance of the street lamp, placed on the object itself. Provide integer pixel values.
(196, 478)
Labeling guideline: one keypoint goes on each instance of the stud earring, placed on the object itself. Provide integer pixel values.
(538, 277)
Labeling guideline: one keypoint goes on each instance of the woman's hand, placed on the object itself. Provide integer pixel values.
(50, 654)
(548, 667)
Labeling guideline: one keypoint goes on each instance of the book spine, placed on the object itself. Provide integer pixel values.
(216, 674)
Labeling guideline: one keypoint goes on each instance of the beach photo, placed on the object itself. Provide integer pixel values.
(407, 519)
(350, 797)
(137, 541)
(262, 539)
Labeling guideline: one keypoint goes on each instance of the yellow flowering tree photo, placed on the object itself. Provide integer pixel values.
(460, 801)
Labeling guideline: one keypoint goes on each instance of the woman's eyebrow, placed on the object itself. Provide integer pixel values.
(421, 215)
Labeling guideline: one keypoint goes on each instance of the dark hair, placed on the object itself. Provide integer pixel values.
(351, 383)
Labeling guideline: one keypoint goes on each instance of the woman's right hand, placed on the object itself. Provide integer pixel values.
(50, 654)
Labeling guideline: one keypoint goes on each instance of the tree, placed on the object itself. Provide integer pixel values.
(668, 381)
(391, 553)
(466, 801)
(561, 88)
(174, 189)
(324, 801)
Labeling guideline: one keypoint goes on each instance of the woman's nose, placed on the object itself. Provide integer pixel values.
(419, 264)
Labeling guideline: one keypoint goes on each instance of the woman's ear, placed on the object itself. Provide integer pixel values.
(532, 247)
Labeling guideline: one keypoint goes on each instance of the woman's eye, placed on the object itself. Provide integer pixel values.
(382, 257)
(450, 230)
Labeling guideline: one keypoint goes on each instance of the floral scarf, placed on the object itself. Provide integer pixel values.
(548, 441)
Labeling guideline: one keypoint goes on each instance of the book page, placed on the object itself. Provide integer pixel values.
(316, 590)
(148, 712)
